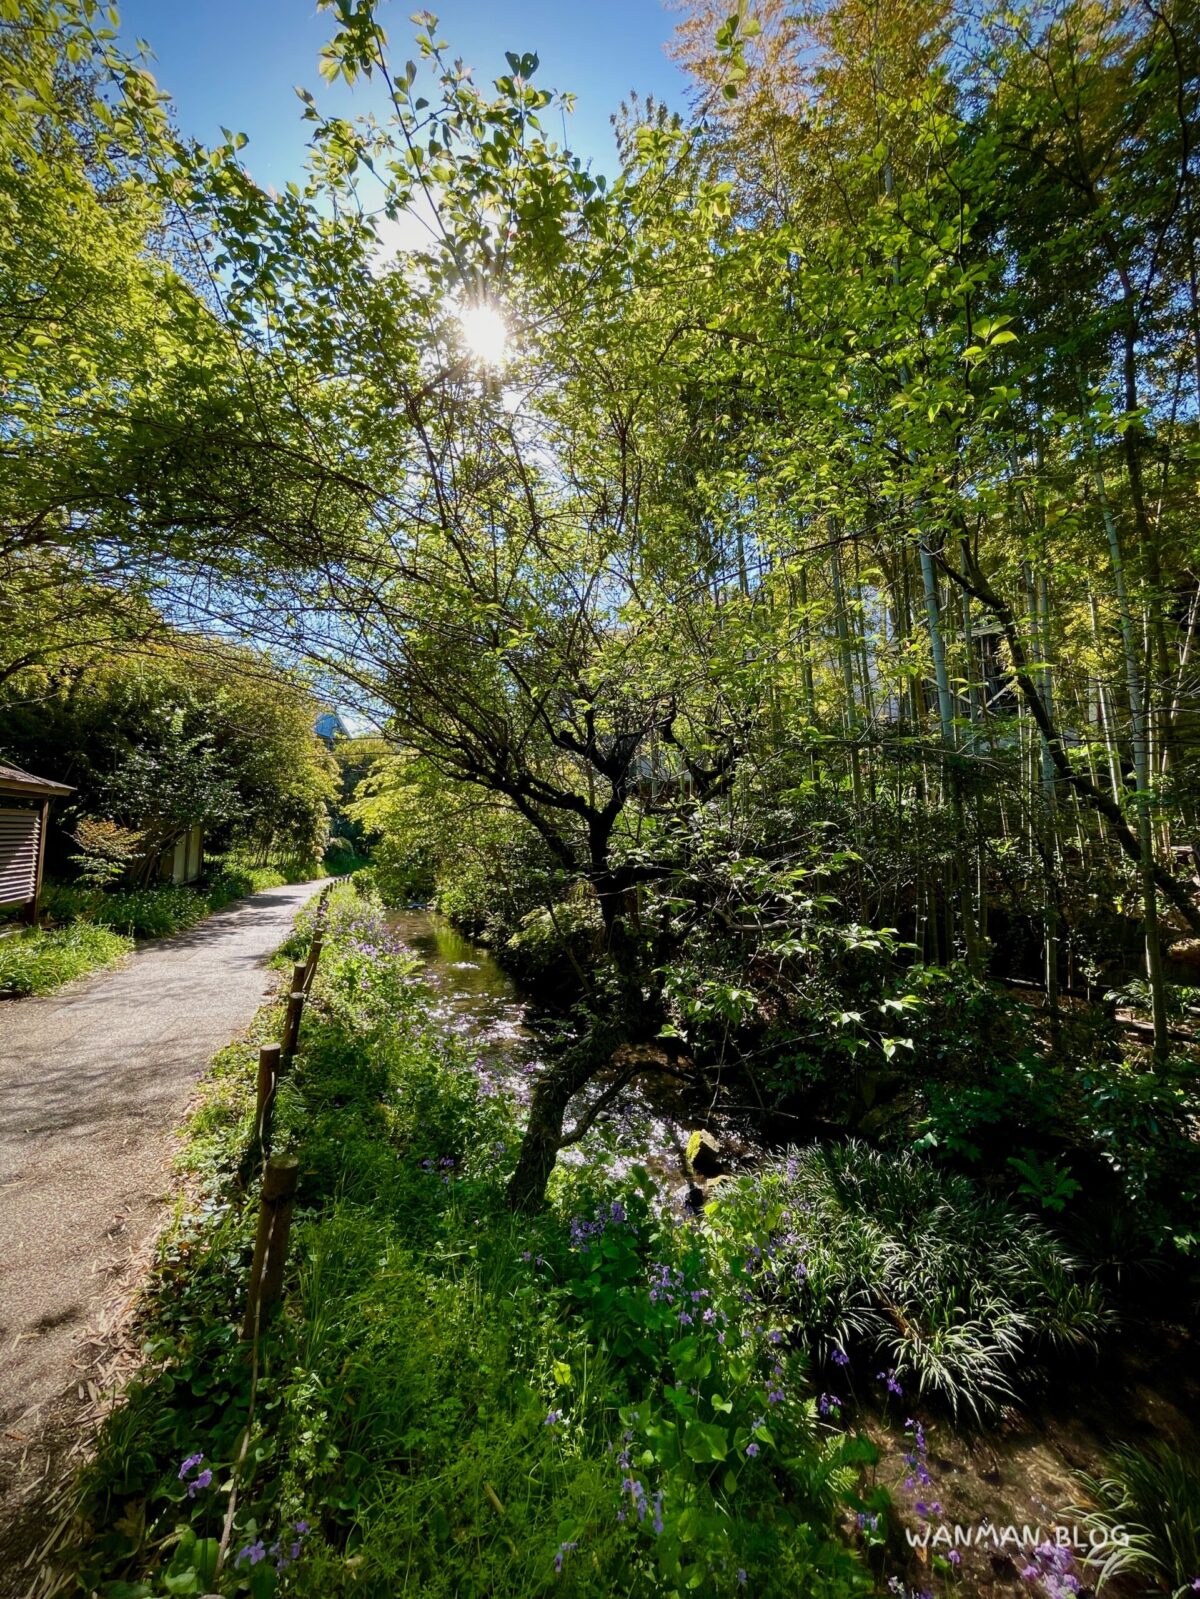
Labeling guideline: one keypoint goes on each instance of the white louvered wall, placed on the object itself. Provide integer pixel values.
(18, 855)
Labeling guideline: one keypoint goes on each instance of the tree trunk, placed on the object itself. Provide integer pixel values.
(558, 1084)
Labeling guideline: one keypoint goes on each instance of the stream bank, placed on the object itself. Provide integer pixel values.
(476, 1000)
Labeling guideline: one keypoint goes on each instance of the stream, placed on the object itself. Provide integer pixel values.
(475, 999)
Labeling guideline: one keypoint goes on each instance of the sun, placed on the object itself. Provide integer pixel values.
(485, 331)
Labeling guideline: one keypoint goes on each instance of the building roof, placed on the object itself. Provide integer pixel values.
(14, 781)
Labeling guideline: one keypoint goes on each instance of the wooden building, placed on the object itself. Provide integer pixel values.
(24, 814)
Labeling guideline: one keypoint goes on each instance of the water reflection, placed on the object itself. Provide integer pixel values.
(474, 998)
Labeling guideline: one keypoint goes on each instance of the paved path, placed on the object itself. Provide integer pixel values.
(94, 1081)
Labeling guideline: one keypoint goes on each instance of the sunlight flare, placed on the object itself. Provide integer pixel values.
(485, 331)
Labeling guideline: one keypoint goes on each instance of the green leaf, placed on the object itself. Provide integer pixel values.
(704, 1441)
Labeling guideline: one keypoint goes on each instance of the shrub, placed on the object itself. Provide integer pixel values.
(38, 961)
(553, 946)
(955, 1291)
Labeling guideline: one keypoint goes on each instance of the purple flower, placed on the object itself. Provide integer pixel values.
(658, 1518)
(189, 1465)
(840, 1357)
(202, 1481)
(553, 1417)
(253, 1552)
(741, 1577)
(563, 1549)
(889, 1378)
(302, 1527)
(954, 1557)
(752, 1448)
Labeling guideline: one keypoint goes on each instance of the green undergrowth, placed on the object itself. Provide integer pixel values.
(453, 1400)
(160, 910)
(40, 960)
(97, 928)
(603, 1398)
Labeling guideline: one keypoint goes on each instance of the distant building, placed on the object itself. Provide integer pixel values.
(183, 861)
(330, 727)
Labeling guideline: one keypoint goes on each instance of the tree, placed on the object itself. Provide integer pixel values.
(187, 731)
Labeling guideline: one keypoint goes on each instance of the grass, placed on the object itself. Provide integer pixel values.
(99, 928)
(160, 910)
(37, 961)
(1147, 1509)
(956, 1292)
(454, 1401)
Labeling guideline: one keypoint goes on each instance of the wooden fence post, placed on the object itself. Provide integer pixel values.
(314, 955)
(295, 1009)
(271, 1241)
(268, 1075)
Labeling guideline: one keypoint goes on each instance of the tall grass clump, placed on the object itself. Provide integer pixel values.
(953, 1290)
(38, 961)
(1145, 1510)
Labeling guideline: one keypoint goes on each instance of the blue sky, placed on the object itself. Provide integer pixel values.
(235, 62)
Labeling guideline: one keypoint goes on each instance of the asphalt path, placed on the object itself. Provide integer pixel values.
(94, 1081)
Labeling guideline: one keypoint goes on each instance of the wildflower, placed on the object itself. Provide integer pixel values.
(954, 1557)
(840, 1357)
(741, 1577)
(302, 1527)
(253, 1552)
(658, 1516)
(189, 1465)
(563, 1550)
(752, 1448)
(889, 1378)
(775, 1396)
(918, 1433)
(829, 1404)
(202, 1481)
(553, 1417)
(634, 1488)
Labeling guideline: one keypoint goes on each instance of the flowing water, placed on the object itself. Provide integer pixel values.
(475, 999)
